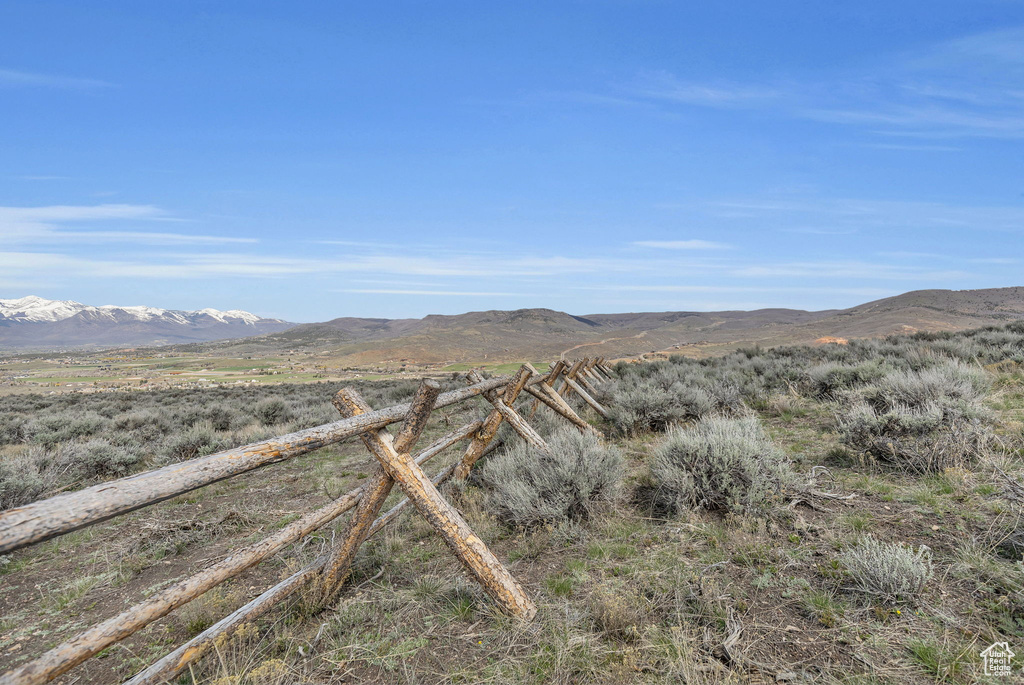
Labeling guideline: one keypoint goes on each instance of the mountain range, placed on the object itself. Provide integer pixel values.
(544, 333)
(37, 323)
(494, 335)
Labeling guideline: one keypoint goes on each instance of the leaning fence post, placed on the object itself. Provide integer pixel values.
(518, 423)
(586, 371)
(491, 423)
(586, 397)
(555, 370)
(453, 529)
(587, 385)
(378, 487)
(545, 394)
(567, 376)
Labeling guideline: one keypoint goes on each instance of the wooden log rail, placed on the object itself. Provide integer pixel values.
(65, 513)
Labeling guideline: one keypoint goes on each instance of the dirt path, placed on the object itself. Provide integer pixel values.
(601, 342)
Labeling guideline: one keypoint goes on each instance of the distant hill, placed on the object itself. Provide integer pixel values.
(544, 333)
(37, 323)
(494, 335)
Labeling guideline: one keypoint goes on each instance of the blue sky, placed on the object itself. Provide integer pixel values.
(309, 160)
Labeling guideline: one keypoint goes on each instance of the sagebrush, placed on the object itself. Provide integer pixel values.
(888, 571)
(720, 463)
(529, 487)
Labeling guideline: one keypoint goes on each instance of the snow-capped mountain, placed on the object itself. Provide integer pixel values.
(35, 322)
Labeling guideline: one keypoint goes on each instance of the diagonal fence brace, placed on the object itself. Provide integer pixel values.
(582, 379)
(586, 397)
(493, 421)
(568, 375)
(378, 487)
(546, 395)
(518, 423)
(555, 370)
(453, 529)
(570, 383)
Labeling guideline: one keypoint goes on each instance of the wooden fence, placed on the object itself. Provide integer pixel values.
(325, 576)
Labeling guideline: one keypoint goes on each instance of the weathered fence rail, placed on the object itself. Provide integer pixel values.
(397, 465)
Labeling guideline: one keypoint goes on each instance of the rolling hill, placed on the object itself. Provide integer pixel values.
(544, 333)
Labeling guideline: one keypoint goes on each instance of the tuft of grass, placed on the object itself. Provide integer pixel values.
(824, 607)
(858, 522)
(67, 595)
(560, 585)
(461, 602)
(617, 612)
(428, 587)
(938, 661)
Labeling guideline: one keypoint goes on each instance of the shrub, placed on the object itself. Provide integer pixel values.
(827, 381)
(920, 440)
(12, 429)
(30, 475)
(946, 384)
(887, 570)
(641, 405)
(720, 463)
(191, 443)
(220, 418)
(618, 611)
(142, 419)
(528, 487)
(53, 429)
(271, 412)
(98, 458)
(921, 421)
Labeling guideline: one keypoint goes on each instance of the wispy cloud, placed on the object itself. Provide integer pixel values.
(78, 213)
(144, 237)
(907, 147)
(927, 120)
(356, 243)
(412, 261)
(818, 231)
(913, 255)
(848, 269)
(994, 260)
(664, 86)
(17, 78)
(682, 244)
(813, 214)
(970, 87)
(433, 293)
(865, 292)
(43, 225)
